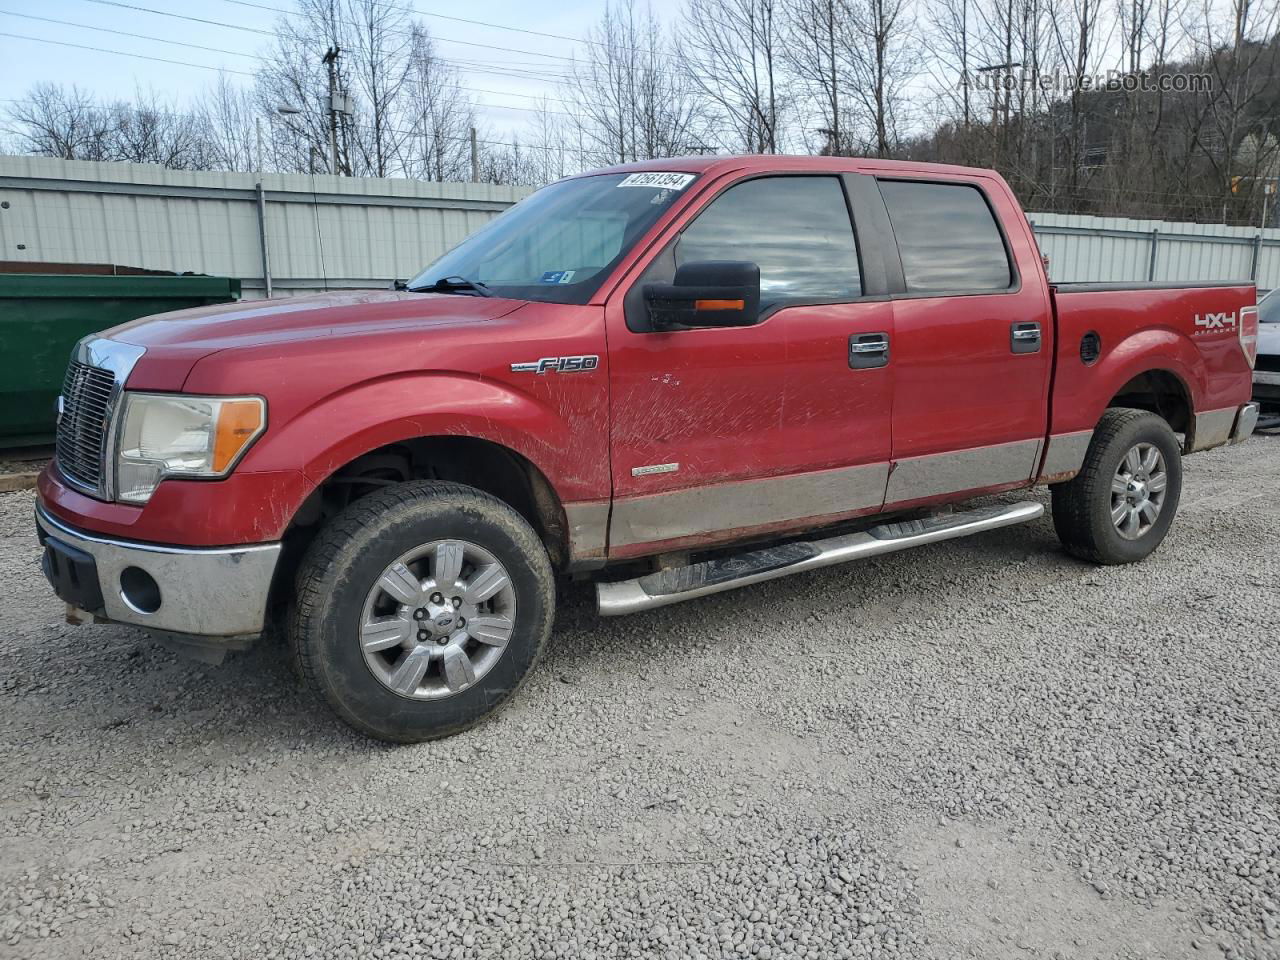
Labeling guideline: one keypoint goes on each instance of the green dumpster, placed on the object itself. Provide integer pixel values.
(43, 315)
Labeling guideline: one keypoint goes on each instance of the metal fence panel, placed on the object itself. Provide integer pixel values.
(324, 231)
(1119, 248)
(321, 231)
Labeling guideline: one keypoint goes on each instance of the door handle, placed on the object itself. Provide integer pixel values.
(1024, 337)
(868, 351)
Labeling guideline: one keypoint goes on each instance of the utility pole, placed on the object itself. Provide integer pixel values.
(257, 126)
(331, 61)
(475, 158)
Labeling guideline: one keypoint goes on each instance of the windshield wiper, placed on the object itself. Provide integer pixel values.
(453, 285)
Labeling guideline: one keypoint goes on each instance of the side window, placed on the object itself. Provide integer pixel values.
(947, 237)
(796, 229)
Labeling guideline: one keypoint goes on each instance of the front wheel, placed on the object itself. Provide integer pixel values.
(421, 609)
(1120, 505)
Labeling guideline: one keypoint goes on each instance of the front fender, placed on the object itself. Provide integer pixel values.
(348, 423)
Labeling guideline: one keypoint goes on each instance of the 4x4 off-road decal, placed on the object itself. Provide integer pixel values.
(1206, 322)
(558, 364)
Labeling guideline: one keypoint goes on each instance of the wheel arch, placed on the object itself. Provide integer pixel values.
(487, 465)
(1160, 391)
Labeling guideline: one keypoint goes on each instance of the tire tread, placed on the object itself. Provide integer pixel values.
(324, 561)
(1074, 520)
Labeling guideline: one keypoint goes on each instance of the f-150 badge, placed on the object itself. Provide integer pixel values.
(558, 364)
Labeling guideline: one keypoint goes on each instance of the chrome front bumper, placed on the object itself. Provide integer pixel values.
(205, 592)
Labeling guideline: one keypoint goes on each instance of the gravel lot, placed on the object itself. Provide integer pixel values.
(980, 749)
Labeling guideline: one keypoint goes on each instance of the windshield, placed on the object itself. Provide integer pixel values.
(1269, 307)
(560, 243)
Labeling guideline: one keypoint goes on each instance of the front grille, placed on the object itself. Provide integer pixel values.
(1268, 361)
(87, 393)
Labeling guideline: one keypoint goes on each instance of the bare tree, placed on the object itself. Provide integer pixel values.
(951, 24)
(731, 49)
(552, 153)
(57, 121)
(150, 130)
(230, 119)
(818, 55)
(883, 59)
(440, 116)
(1240, 50)
(379, 46)
(631, 100)
(293, 76)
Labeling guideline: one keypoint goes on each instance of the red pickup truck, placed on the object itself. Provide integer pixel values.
(677, 377)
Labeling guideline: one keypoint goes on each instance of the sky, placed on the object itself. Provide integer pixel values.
(504, 105)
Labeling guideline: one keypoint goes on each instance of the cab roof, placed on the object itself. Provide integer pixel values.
(768, 163)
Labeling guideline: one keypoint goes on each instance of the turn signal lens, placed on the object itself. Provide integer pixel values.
(719, 304)
(239, 421)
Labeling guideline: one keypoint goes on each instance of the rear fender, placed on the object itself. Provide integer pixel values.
(1084, 399)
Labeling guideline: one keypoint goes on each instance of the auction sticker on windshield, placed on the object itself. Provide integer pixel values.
(662, 181)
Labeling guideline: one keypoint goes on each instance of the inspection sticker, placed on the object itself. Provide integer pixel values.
(661, 181)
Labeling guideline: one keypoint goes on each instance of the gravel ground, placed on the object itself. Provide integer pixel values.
(977, 749)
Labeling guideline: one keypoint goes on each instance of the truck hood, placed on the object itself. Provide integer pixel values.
(204, 330)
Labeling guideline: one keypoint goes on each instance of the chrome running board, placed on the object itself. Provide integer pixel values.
(768, 563)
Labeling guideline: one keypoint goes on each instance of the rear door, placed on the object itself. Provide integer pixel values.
(972, 348)
(721, 432)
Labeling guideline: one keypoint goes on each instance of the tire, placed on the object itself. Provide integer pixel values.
(343, 610)
(1096, 522)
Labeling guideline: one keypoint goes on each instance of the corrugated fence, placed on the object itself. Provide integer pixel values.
(1118, 248)
(292, 233)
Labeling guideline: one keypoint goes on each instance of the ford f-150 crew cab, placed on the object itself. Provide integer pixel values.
(675, 377)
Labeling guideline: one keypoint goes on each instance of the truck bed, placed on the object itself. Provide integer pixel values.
(1193, 329)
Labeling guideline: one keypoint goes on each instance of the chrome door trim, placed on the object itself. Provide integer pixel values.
(1066, 454)
(723, 507)
(955, 471)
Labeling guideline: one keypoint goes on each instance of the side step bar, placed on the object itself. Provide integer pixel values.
(728, 573)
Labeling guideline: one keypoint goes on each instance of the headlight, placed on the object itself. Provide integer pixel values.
(172, 435)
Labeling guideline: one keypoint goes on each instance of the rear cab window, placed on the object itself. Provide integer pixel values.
(947, 237)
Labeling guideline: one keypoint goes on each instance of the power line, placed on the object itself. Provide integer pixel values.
(526, 74)
(482, 23)
(442, 16)
(242, 73)
(122, 53)
(522, 73)
(259, 30)
(251, 56)
(122, 33)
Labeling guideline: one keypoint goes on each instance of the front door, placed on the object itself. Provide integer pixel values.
(734, 431)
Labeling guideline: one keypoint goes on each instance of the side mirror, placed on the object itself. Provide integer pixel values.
(709, 293)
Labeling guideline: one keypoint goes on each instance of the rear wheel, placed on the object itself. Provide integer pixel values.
(1119, 507)
(421, 609)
